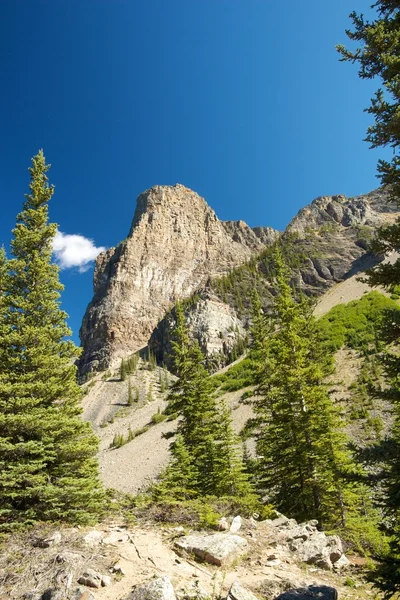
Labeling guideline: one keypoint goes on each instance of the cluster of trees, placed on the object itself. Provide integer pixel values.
(48, 465)
(206, 455)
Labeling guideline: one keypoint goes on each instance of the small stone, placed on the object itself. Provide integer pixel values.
(236, 524)
(105, 580)
(342, 563)
(156, 589)
(90, 578)
(223, 524)
(52, 540)
(238, 592)
(93, 537)
(119, 569)
(80, 594)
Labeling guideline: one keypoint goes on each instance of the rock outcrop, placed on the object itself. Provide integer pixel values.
(176, 243)
(335, 234)
(213, 323)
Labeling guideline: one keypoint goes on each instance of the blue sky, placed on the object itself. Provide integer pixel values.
(237, 99)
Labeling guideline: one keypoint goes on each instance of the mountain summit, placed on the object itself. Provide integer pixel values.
(175, 244)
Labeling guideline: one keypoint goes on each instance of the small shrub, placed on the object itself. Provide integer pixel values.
(158, 418)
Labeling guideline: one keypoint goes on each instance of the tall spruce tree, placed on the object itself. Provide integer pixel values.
(48, 466)
(302, 454)
(206, 432)
(378, 57)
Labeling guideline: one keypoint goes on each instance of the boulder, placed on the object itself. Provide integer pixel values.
(93, 537)
(156, 589)
(236, 524)
(220, 549)
(91, 578)
(318, 549)
(311, 592)
(238, 592)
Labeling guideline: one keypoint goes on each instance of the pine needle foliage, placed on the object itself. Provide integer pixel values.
(377, 56)
(206, 433)
(48, 466)
(303, 460)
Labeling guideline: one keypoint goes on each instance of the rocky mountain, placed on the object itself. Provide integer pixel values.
(178, 248)
(175, 244)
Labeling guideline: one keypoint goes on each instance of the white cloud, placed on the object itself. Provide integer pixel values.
(74, 251)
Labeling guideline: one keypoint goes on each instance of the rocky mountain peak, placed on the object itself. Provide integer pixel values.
(175, 244)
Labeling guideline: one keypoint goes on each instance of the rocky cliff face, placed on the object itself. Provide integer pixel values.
(175, 244)
(213, 323)
(335, 233)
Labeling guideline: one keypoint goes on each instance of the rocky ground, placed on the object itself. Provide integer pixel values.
(248, 559)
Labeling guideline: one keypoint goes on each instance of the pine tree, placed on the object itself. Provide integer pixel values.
(206, 434)
(180, 478)
(378, 56)
(229, 461)
(303, 454)
(48, 466)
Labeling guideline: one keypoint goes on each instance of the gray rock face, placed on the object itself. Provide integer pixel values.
(220, 549)
(175, 244)
(156, 589)
(335, 233)
(213, 323)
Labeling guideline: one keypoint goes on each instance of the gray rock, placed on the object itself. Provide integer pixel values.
(105, 580)
(213, 323)
(218, 549)
(156, 589)
(90, 578)
(318, 549)
(236, 524)
(311, 592)
(53, 594)
(93, 537)
(47, 542)
(81, 594)
(238, 592)
(342, 563)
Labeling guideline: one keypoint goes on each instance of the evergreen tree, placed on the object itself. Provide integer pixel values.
(48, 466)
(303, 455)
(180, 478)
(378, 56)
(229, 461)
(206, 434)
